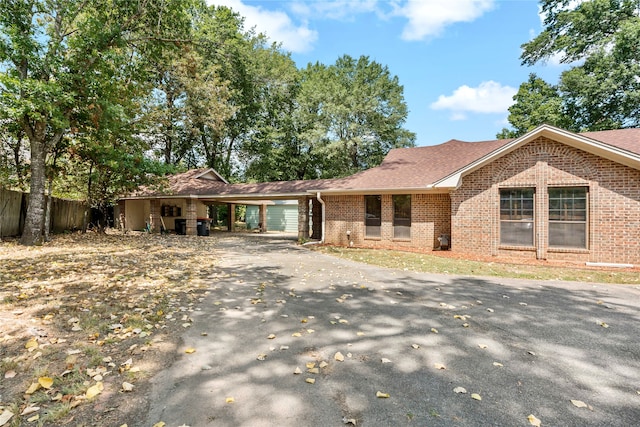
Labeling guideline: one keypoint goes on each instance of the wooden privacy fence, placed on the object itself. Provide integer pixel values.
(65, 214)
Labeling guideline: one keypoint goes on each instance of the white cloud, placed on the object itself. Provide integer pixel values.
(488, 98)
(430, 17)
(277, 25)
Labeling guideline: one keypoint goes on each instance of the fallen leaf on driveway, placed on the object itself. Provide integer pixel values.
(382, 395)
(30, 410)
(160, 424)
(385, 360)
(45, 382)
(32, 388)
(581, 404)
(534, 421)
(297, 371)
(229, 400)
(261, 356)
(483, 346)
(5, 416)
(310, 380)
(296, 334)
(271, 336)
(439, 366)
(10, 374)
(434, 330)
(416, 346)
(497, 364)
(460, 390)
(31, 345)
(127, 386)
(604, 325)
(476, 396)
(190, 350)
(94, 390)
(310, 365)
(339, 357)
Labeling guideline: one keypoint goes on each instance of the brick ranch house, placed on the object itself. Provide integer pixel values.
(550, 194)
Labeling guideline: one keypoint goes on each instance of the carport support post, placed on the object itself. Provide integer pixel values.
(303, 218)
(231, 217)
(262, 215)
(154, 216)
(316, 215)
(192, 218)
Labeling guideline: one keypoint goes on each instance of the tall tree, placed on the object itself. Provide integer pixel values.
(365, 112)
(55, 57)
(603, 38)
(274, 150)
(537, 102)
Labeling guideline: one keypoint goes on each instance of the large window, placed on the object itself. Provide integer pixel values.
(402, 216)
(516, 216)
(373, 216)
(568, 217)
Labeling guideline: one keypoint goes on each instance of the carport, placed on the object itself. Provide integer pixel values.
(185, 198)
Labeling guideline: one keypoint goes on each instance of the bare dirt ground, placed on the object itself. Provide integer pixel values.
(86, 320)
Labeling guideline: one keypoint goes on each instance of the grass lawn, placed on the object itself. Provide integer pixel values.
(446, 264)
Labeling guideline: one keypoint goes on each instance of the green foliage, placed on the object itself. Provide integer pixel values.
(361, 116)
(601, 90)
(101, 96)
(331, 121)
(70, 66)
(537, 102)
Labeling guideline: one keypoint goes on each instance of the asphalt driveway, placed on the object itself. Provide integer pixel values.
(523, 347)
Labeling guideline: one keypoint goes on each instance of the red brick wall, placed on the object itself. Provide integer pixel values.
(614, 203)
(430, 218)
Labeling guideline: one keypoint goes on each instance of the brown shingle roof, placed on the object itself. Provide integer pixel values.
(627, 139)
(402, 169)
(419, 166)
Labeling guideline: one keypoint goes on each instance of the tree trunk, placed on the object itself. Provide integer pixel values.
(34, 221)
(47, 214)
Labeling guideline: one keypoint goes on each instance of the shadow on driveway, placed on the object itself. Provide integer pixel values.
(525, 347)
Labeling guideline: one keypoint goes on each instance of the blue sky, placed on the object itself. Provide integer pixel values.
(458, 60)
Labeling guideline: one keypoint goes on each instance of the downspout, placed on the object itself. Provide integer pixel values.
(323, 217)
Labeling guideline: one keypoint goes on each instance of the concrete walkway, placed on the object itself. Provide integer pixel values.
(524, 347)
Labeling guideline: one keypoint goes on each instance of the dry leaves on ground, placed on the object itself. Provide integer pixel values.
(87, 314)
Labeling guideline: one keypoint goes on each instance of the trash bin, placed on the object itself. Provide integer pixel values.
(203, 226)
(181, 226)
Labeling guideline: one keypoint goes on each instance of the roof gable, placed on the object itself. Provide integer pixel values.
(208, 174)
(621, 146)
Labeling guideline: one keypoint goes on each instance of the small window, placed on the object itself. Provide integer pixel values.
(373, 216)
(516, 217)
(402, 216)
(568, 217)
